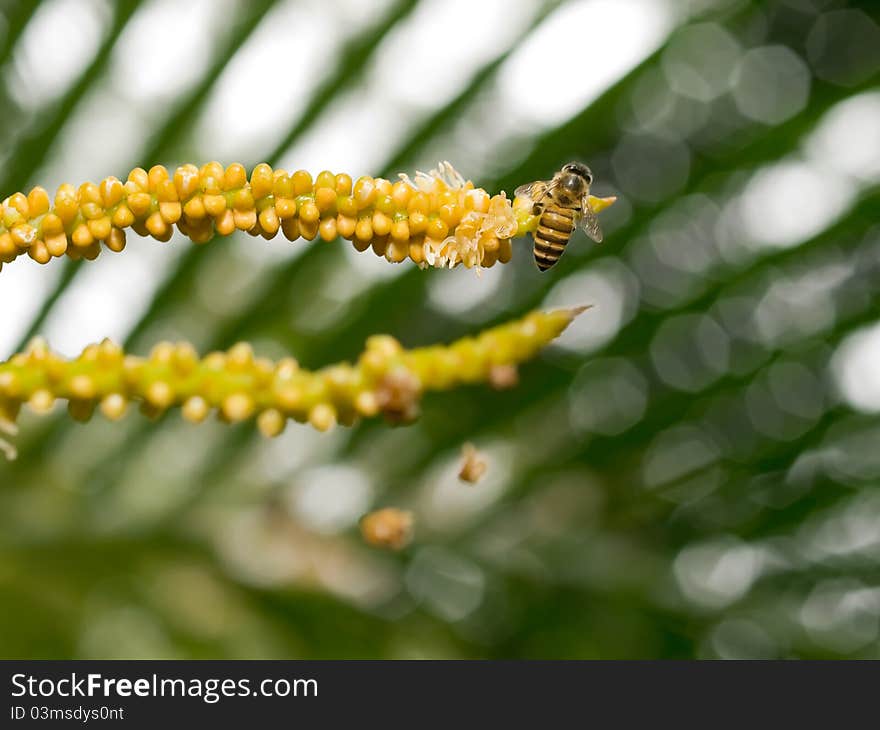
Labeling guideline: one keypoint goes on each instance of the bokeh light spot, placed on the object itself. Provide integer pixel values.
(772, 84)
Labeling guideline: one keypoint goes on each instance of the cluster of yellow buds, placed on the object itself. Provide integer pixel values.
(438, 219)
(386, 379)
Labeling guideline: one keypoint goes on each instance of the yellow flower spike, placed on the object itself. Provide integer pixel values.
(387, 378)
(437, 219)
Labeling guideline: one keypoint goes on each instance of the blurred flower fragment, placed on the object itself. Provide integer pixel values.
(389, 528)
(473, 464)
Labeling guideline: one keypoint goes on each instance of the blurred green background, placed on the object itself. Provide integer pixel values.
(691, 472)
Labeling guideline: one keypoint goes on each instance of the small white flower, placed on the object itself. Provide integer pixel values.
(426, 182)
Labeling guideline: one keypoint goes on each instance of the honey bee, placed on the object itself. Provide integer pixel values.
(562, 203)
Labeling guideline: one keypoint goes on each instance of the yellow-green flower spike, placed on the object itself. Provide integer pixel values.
(437, 219)
(386, 379)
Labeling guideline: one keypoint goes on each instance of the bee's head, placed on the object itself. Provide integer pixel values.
(579, 169)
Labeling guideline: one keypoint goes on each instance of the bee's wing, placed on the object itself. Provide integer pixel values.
(535, 191)
(590, 221)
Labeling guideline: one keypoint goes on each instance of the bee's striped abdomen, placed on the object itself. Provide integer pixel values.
(554, 230)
